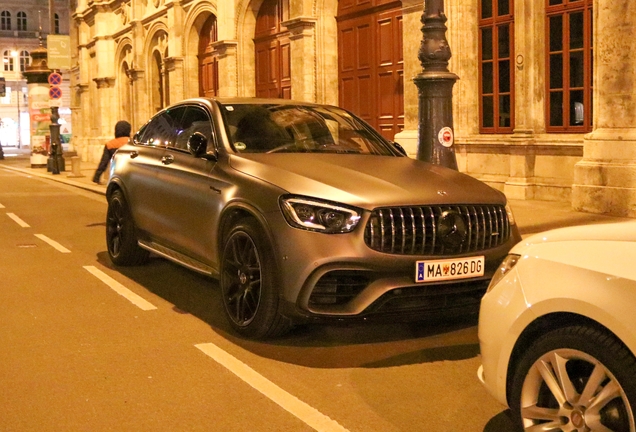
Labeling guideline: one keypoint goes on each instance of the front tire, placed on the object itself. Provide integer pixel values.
(121, 237)
(250, 294)
(576, 378)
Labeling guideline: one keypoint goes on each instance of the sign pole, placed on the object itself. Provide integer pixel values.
(56, 157)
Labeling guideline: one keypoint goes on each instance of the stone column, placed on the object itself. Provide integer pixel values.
(105, 117)
(135, 77)
(605, 179)
(528, 48)
(173, 68)
(226, 51)
(302, 34)
(411, 40)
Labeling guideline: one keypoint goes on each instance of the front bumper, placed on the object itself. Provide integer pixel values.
(338, 276)
(501, 321)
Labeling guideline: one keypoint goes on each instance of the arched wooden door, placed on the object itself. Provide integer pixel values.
(271, 42)
(371, 64)
(208, 64)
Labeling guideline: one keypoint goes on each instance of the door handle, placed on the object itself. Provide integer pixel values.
(167, 160)
(134, 155)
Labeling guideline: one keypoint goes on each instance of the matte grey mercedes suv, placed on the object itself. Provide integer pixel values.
(303, 212)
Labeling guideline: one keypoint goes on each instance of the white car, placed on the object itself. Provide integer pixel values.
(557, 330)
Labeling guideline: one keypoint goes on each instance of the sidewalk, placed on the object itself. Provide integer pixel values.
(531, 215)
(19, 160)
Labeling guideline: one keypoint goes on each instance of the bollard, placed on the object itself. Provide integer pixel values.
(76, 170)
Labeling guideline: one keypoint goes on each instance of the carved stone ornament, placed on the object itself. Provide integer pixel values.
(125, 13)
(434, 51)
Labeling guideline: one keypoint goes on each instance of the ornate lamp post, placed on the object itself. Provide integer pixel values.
(435, 90)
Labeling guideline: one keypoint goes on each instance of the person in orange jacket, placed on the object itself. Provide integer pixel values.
(122, 136)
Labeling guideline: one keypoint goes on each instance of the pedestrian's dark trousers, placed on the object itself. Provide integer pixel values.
(103, 164)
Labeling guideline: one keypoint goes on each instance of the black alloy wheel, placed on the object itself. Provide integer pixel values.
(250, 296)
(575, 378)
(121, 238)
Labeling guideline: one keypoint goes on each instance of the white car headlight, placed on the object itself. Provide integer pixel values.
(319, 216)
(506, 265)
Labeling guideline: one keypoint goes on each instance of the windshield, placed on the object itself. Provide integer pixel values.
(261, 128)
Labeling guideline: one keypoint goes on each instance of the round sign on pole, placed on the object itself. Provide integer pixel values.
(446, 137)
(55, 79)
(55, 92)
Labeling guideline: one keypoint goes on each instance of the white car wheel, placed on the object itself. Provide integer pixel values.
(575, 379)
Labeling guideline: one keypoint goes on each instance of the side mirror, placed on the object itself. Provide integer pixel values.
(197, 144)
(400, 149)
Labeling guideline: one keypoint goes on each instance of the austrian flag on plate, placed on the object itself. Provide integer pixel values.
(440, 270)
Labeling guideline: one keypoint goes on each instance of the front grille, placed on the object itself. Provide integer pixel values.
(414, 230)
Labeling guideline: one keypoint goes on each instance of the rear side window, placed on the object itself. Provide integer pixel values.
(162, 130)
(195, 119)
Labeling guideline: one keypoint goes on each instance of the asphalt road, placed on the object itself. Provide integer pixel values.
(85, 346)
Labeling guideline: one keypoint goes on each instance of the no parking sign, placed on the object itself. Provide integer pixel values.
(55, 91)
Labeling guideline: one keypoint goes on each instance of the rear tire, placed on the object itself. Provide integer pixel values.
(577, 378)
(121, 237)
(248, 283)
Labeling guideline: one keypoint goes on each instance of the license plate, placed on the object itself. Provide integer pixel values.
(451, 269)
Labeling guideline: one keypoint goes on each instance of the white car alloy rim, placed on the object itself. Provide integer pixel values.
(569, 390)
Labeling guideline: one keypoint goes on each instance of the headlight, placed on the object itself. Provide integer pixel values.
(319, 216)
(507, 264)
(511, 217)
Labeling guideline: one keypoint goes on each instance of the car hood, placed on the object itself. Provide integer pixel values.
(610, 232)
(366, 181)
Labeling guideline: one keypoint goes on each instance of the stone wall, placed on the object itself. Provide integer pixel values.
(138, 44)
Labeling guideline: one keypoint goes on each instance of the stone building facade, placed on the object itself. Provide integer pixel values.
(545, 107)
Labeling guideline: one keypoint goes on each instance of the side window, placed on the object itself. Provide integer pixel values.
(162, 130)
(195, 119)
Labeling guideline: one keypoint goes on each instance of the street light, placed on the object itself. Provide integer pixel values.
(435, 89)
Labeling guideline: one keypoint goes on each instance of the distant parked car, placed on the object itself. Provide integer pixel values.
(304, 213)
(557, 330)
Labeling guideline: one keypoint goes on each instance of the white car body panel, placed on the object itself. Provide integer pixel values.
(588, 271)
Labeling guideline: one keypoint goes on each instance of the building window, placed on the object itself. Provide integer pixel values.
(496, 74)
(56, 23)
(22, 21)
(569, 66)
(7, 60)
(25, 60)
(5, 20)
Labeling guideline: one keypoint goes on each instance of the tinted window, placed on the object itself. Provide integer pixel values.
(194, 120)
(163, 129)
(300, 129)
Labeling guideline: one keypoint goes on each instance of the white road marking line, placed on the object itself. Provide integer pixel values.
(138, 301)
(289, 402)
(53, 243)
(1, 206)
(19, 221)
